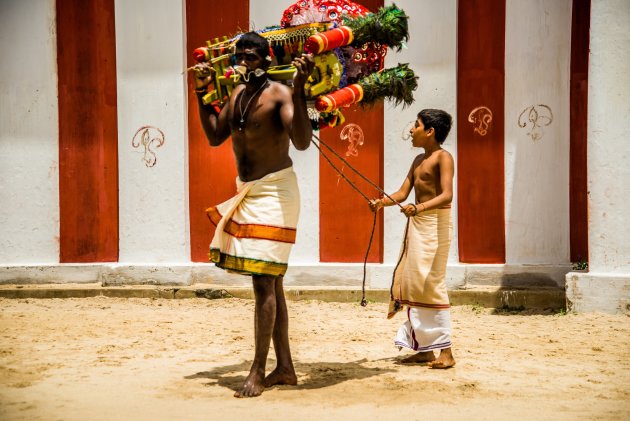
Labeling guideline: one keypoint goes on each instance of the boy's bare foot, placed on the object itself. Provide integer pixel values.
(253, 385)
(444, 360)
(420, 357)
(281, 376)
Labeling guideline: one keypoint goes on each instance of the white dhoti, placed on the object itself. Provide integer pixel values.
(419, 282)
(425, 330)
(256, 229)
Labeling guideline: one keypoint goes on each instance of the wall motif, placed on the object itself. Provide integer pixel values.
(354, 135)
(480, 117)
(539, 116)
(148, 136)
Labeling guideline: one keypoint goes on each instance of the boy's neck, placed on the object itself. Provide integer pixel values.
(429, 149)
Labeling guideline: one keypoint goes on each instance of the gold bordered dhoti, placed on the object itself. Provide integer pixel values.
(256, 229)
(419, 282)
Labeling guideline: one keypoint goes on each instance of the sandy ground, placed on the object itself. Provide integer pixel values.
(142, 359)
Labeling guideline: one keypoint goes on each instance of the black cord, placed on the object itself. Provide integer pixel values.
(367, 252)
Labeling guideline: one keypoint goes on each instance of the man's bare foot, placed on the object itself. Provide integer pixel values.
(253, 385)
(444, 360)
(281, 376)
(420, 357)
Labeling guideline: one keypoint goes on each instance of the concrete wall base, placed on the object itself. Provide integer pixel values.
(605, 292)
(378, 276)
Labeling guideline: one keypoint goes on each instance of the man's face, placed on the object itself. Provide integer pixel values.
(249, 58)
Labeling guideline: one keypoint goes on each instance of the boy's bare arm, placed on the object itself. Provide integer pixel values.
(399, 196)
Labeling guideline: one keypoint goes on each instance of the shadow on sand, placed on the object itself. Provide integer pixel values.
(310, 375)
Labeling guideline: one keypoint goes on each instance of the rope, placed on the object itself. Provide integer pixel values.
(367, 252)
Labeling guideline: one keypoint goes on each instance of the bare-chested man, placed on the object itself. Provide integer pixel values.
(256, 228)
(419, 278)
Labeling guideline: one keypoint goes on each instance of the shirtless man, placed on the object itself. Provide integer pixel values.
(419, 276)
(261, 116)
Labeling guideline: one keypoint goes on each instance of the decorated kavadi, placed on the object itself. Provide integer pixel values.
(348, 44)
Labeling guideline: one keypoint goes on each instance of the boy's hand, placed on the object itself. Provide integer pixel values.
(409, 210)
(376, 204)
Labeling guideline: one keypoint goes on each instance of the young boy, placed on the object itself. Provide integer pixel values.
(419, 275)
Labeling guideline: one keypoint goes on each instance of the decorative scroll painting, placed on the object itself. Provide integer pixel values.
(538, 116)
(148, 136)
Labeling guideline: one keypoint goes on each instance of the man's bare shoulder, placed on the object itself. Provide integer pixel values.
(280, 90)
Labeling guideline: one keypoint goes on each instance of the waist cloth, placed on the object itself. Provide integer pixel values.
(419, 283)
(256, 229)
(419, 277)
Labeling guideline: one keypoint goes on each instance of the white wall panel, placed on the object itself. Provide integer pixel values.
(608, 144)
(150, 39)
(29, 146)
(537, 64)
(432, 54)
(306, 163)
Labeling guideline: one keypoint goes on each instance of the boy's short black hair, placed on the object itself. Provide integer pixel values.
(439, 120)
(255, 41)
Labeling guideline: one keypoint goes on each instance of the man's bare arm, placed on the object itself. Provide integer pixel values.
(294, 113)
(215, 124)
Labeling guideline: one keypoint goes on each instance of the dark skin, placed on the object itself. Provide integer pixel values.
(431, 177)
(274, 117)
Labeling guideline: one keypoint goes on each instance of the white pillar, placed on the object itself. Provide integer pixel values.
(151, 81)
(29, 134)
(537, 65)
(606, 287)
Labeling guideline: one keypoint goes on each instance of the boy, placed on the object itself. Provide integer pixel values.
(419, 275)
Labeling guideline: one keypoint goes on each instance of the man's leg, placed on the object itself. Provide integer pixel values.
(264, 320)
(284, 372)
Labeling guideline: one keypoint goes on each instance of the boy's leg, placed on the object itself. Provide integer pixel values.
(264, 321)
(420, 357)
(284, 372)
(444, 360)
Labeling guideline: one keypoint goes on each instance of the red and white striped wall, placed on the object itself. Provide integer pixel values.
(105, 171)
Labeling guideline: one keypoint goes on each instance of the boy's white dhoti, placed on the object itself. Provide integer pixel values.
(256, 229)
(419, 282)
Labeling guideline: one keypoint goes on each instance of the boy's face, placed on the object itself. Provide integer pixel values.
(420, 135)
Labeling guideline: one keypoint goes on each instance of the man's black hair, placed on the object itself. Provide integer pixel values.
(255, 41)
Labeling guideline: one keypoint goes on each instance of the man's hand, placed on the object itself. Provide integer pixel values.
(376, 204)
(304, 66)
(204, 75)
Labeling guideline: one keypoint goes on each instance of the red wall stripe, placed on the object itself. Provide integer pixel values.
(211, 170)
(88, 131)
(480, 166)
(345, 220)
(580, 30)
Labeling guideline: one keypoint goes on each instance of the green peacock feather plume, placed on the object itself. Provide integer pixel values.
(387, 26)
(396, 84)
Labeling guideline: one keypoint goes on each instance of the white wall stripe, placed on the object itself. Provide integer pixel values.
(150, 39)
(29, 133)
(432, 54)
(305, 163)
(537, 66)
